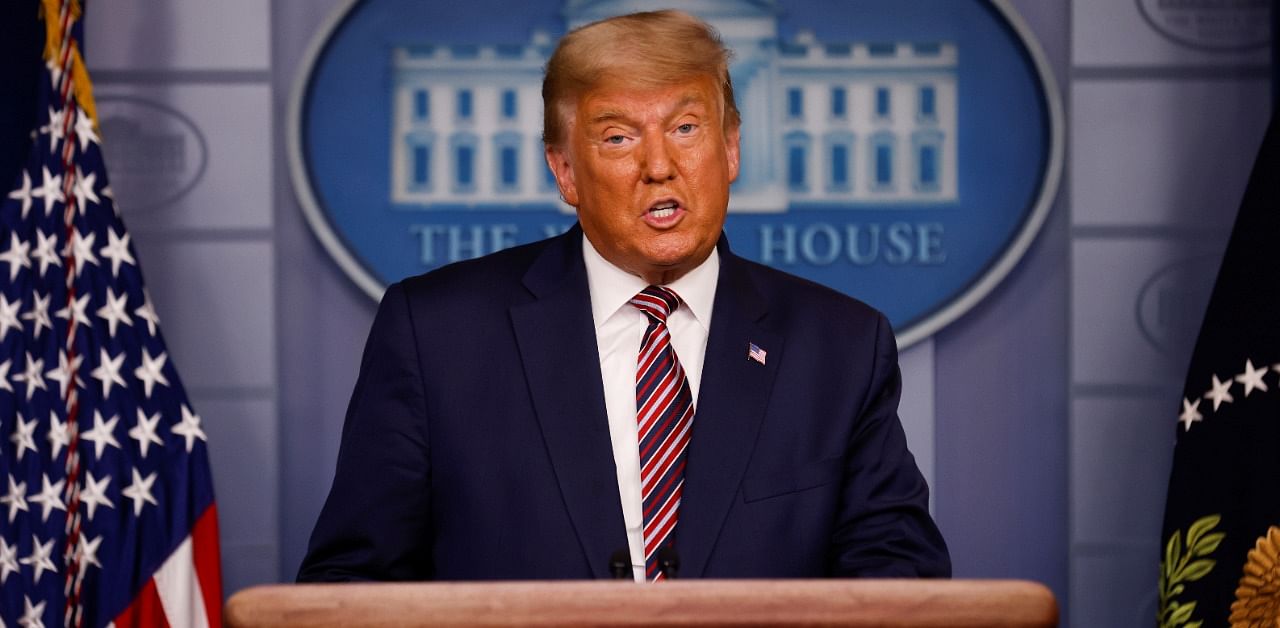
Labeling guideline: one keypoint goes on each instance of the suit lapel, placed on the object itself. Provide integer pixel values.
(556, 335)
(731, 404)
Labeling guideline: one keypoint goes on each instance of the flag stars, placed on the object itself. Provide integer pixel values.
(4, 375)
(75, 309)
(85, 132)
(1252, 378)
(189, 428)
(89, 553)
(16, 498)
(23, 194)
(31, 613)
(84, 189)
(40, 560)
(55, 76)
(8, 559)
(24, 436)
(39, 314)
(146, 312)
(59, 435)
(145, 431)
(64, 373)
(102, 434)
(151, 372)
(9, 315)
(1220, 393)
(1190, 414)
(16, 256)
(94, 493)
(46, 251)
(56, 122)
(49, 497)
(82, 249)
(108, 371)
(117, 250)
(33, 376)
(50, 190)
(140, 491)
(114, 311)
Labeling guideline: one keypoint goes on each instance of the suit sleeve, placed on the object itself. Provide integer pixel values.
(885, 530)
(376, 523)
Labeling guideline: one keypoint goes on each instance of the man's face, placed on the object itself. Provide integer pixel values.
(649, 171)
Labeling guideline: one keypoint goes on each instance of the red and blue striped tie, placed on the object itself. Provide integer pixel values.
(664, 415)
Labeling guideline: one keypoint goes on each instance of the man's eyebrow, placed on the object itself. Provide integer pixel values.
(608, 115)
(613, 115)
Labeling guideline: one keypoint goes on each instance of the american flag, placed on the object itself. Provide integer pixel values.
(754, 352)
(106, 503)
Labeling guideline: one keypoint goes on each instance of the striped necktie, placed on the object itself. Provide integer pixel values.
(664, 415)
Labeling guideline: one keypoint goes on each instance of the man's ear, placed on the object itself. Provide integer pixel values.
(558, 161)
(732, 137)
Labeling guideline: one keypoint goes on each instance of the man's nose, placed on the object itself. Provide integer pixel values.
(656, 164)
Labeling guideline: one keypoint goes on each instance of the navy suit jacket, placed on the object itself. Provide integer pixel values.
(476, 444)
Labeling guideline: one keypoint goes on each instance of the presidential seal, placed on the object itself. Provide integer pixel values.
(903, 152)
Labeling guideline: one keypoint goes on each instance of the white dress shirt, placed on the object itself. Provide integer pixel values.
(619, 332)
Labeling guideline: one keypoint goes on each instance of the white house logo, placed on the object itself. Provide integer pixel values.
(156, 154)
(1170, 304)
(1211, 24)
(903, 155)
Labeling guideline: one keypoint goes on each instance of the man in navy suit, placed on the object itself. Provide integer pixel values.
(493, 431)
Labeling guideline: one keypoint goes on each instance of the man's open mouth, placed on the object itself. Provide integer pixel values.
(665, 209)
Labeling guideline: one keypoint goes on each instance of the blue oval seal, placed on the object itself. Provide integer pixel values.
(903, 152)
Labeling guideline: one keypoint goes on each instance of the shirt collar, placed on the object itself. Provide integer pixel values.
(612, 288)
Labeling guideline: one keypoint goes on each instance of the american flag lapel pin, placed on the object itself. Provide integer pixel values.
(754, 352)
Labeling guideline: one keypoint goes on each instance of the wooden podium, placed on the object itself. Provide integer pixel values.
(903, 603)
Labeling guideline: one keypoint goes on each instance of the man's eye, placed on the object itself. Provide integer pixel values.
(614, 139)
(685, 129)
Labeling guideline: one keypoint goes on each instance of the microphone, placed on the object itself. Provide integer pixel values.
(668, 562)
(620, 565)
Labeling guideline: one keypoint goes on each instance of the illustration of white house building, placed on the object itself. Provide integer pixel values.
(824, 124)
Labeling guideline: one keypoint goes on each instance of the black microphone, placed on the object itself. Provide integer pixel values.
(620, 565)
(668, 562)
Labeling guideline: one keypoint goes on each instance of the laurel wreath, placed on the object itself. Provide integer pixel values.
(1185, 563)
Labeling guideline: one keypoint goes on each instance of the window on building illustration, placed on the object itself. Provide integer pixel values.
(464, 104)
(882, 49)
(418, 148)
(927, 160)
(797, 160)
(927, 149)
(795, 103)
(839, 161)
(509, 104)
(507, 147)
(421, 166)
(882, 161)
(795, 167)
(508, 167)
(928, 106)
(464, 162)
(839, 107)
(840, 166)
(882, 102)
(421, 104)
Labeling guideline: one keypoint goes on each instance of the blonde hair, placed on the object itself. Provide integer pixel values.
(650, 50)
